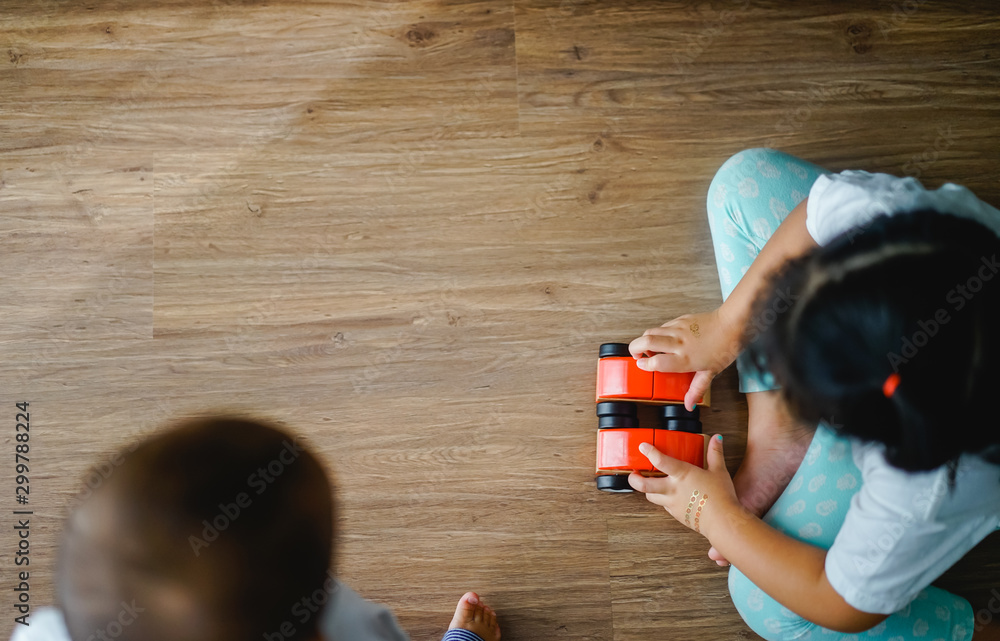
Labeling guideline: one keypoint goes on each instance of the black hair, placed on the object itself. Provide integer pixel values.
(916, 295)
(211, 530)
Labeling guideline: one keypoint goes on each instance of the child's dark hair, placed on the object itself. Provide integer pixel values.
(917, 295)
(211, 530)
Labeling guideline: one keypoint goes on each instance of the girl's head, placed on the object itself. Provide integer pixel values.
(216, 529)
(915, 297)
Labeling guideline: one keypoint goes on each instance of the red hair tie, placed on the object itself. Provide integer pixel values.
(890, 385)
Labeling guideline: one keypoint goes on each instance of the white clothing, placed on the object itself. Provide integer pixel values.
(851, 199)
(903, 530)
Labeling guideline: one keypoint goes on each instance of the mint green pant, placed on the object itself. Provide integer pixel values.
(751, 194)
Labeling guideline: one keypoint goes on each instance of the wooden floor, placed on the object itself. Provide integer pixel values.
(403, 228)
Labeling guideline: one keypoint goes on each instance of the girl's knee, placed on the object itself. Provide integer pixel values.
(724, 190)
(746, 159)
(749, 600)
(762, 614)
(752, 156)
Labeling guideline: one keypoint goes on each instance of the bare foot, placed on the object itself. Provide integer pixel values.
(768, 468)
(776, 445)
(475, 616)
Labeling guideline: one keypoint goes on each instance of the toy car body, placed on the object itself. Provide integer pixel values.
(618, 377)
(621, 386)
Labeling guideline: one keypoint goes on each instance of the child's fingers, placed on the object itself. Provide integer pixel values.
(667, 329)
(716, 457)
(662, 363)
(658, 499)
(696, 391)
(666, 464)
(647, 485)
(651, 344)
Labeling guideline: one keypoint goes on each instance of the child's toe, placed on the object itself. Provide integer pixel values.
(465, 612)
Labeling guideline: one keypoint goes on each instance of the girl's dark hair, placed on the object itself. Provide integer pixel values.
(234, 512)
(913, 294)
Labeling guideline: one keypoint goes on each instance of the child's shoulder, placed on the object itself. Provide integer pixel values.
(931, 495)
(838, 202)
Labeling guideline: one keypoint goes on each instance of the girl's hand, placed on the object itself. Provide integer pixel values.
(705, 343)
(715, 496)
(702, 343)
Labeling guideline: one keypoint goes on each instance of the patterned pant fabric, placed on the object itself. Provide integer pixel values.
(751, 195)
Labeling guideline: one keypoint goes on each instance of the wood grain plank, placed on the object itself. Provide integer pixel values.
(402, 229)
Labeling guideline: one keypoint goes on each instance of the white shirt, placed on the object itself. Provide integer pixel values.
(902, 530)
(839, 202)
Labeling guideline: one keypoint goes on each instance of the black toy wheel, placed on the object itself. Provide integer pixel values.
(617, 422)
(614, 483)
(613, 349)
(617, 408)
(681, 425)
(678, 411)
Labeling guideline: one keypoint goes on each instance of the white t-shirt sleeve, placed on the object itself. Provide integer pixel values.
(44, 624)
(903, 530)
(851, 199)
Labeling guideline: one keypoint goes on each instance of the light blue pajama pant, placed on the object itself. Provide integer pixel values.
(751, 194)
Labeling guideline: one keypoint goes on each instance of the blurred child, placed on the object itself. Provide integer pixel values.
(220, 529)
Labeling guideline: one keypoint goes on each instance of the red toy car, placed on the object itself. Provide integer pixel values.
(621, 386)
